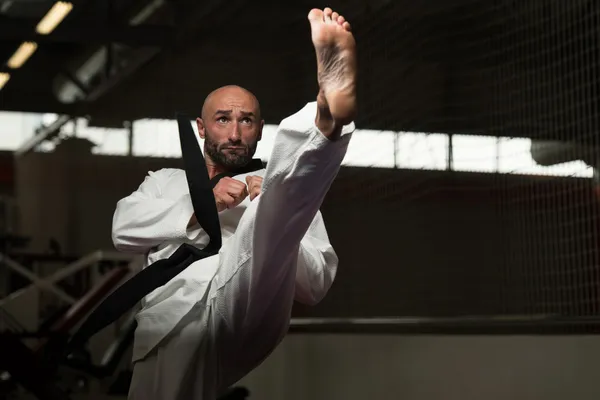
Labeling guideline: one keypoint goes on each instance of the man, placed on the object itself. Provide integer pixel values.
(223, 315)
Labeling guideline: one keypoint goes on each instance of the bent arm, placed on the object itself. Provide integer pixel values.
(146, 218)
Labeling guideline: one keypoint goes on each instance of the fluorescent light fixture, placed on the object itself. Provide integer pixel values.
(57, 13)
(4, 77)
(25, 50)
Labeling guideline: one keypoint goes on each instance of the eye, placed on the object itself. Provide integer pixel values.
(222, 119)
(247, 120)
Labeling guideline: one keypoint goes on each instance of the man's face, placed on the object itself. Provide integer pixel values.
(231, 127)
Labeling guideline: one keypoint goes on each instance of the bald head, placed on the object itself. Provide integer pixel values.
(230, 92)
(231, 127)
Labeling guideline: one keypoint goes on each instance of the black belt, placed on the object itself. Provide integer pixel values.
(159, 273)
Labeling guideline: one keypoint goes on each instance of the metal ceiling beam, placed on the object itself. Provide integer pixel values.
(45, 133)
(19, 30)
(191, 15)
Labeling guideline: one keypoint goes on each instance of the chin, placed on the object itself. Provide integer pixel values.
(237, 163)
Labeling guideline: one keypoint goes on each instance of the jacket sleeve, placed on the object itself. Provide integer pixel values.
(146, 218)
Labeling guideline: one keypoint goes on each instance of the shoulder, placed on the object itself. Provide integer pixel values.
(167, 174)
(171, 182)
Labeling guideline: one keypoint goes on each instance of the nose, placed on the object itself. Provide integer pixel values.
(234, 135)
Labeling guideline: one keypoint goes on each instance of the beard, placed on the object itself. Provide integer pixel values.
(229, 160)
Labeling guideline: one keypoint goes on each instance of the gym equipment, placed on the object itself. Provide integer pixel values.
(35, 368)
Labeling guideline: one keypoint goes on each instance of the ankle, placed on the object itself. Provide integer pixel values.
(324, 120)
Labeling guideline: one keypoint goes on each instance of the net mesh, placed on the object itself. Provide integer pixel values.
(471, 186)
(487, 113)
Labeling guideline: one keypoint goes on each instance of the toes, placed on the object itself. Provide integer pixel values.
(327, 15)
(315, 15)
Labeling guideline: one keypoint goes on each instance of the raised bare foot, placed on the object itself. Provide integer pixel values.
(336, 59)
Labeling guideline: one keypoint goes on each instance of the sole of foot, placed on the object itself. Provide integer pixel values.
(335, 48)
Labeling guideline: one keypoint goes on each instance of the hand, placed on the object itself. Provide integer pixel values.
(254, 185)
(229, 193)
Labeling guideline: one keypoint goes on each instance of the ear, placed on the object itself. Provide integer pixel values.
(260, 130)
(201, 130)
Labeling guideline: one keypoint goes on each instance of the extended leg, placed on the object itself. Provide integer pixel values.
(254, 289)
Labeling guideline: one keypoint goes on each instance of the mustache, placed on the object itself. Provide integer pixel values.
(234, 146)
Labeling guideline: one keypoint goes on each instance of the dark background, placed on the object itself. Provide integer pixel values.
(411, 243)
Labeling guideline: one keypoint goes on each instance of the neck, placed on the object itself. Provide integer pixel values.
(213, 168)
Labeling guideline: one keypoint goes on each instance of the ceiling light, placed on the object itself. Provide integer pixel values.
(57, 13)
(4, 77)
(22, 54)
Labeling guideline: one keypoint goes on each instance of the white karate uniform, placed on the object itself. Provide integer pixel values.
(221, 317)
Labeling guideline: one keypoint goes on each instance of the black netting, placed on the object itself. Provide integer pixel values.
(515, 235)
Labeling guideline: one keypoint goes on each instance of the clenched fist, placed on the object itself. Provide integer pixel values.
(254, 185)
(229, 193)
